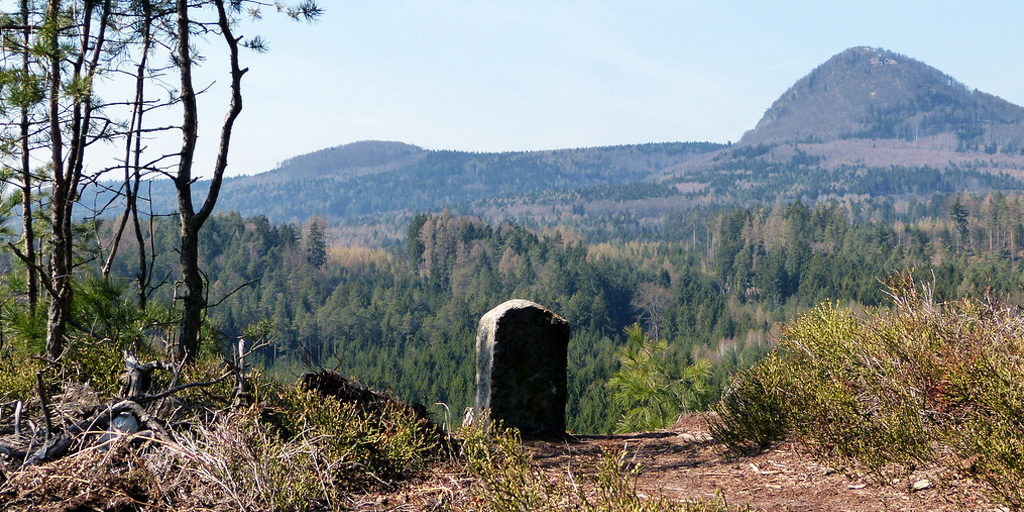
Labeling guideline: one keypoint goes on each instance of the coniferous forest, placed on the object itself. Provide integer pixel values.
(714, 287)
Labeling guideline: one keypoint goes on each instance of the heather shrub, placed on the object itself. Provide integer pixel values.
(309, 453)
(366, 444)
(751, 414)
(920, 382)
(293, 450)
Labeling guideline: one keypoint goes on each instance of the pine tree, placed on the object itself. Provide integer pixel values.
(651, 392)
(959, 214)
(316, 246)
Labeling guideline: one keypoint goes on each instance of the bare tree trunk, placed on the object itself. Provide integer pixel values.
(26, 177)
(108, 264)
(66, 179)
(60, 272)
(143, 276)
(190, 221)
(192, 300)
(132, 166)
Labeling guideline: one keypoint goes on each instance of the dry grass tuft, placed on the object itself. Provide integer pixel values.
(295, 450)
(94, 479)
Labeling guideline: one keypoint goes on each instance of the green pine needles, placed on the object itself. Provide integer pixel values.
(651, 390)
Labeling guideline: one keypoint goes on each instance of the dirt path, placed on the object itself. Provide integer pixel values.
(683, 463)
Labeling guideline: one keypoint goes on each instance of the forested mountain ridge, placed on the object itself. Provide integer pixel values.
(346, 161)
(373, 178)
(866, 125)
(713, 286)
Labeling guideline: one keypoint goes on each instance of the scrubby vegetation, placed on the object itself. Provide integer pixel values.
(930, 378)
(202, 442)
(925, 382)
(704, 301)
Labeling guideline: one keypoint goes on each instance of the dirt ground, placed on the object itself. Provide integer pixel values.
(684, 464)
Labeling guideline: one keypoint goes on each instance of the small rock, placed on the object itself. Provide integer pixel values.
(125, 422)
(688, 437)
(761, 471)
(857, 486)
(921, 485)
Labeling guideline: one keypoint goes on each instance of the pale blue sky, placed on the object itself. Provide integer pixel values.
(524, 75)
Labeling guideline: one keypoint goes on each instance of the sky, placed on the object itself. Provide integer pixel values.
(510, 75)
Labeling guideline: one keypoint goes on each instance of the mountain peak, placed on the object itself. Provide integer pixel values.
(867, 92)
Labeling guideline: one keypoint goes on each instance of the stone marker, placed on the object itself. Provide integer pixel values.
(521, 359)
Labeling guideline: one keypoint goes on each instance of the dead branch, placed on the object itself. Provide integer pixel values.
(232, 292)
(45, 403)
(138, 377)
(182, 387)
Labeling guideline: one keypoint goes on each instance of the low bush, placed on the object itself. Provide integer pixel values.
(751, 414)
(922, 382)
(366, 444)
(292, 450)
(308, 453)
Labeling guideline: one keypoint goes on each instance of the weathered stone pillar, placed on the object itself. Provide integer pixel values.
(521, 359)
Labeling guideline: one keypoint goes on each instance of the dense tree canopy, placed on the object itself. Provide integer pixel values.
(406, 318)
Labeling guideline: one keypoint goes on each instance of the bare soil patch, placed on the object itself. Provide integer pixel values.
(685, 464)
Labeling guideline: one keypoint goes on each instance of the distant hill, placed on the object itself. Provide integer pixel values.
(866, 124)
(871, 93)
(342, 162)
(374, 178)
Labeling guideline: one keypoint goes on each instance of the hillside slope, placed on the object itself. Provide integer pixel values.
(874, 93)
(374, 178)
